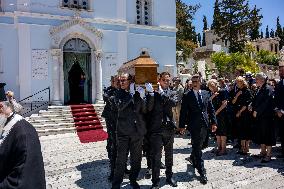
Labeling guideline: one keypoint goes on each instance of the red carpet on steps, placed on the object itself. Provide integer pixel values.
(87, 123)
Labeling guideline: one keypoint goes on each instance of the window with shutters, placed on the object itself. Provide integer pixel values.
(144, 12)
(76, 4)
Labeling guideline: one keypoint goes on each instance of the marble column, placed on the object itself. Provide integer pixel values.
(99, 76)
(56, 53)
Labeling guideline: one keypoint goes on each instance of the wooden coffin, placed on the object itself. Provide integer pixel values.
(143, 68)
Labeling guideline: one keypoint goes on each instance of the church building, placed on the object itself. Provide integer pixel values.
(59, 43)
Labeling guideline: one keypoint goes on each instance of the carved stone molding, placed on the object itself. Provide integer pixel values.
(77, 21)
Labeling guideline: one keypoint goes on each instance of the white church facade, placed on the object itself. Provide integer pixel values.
(40, 41)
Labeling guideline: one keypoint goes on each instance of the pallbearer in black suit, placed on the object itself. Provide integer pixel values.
(197, 110)
(161, 128)
(130, 130)
(279, 105)
(262, 111)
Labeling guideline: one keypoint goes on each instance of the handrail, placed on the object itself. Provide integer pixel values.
(35, 94)
(35, 101)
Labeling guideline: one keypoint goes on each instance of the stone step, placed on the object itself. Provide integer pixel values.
(46, 132)
(40, 121)
(59, 107)
(54, 125)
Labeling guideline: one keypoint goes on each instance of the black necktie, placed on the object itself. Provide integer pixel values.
(199, 100)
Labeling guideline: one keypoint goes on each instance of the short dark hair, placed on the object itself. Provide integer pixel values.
(196, 76)
(164, 74)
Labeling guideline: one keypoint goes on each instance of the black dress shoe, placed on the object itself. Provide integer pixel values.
(171, 182)
(203, 179)
(134, 185)
(162, 166)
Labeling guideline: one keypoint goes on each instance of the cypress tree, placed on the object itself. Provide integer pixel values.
(234, 23)
(267, 32)
(255, 18)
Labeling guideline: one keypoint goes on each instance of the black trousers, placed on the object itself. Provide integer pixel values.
(198, 136)
(110, 138)
(157, 141)
(133, 144)
(147, 150)
(280, 124)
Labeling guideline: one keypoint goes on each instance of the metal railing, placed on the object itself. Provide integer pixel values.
(34, 102)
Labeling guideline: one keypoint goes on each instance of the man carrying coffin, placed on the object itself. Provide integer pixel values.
(130, 130)
(21, 162)
(161, 128)
(197, 110)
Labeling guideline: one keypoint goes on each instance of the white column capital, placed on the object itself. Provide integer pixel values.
(99, 54)
(55, 53)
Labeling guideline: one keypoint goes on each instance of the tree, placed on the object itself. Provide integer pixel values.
(205, 27)
(234, 22)
(199, 39)
(255, 18)
(216, 16)
(226, 64)
(186, 35)
(203, 39)
(278, 31)
(267, 57)
(272, 33)
(261, 34)
(267, 32)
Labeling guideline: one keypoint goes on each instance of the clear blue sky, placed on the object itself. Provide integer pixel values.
(270, 9)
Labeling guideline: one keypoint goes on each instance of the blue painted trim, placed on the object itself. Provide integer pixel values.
(6, 20)
(152, 32)
(40, 21)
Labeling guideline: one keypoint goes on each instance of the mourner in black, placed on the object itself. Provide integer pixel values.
(241, 102)
(110, 117)
(262, 111)
(21, 162)
(219, 99)
(197, 110)
(130, 130)
(161, 128)
(279, 106)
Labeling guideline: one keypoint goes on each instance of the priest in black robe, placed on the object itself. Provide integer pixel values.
(21, 162)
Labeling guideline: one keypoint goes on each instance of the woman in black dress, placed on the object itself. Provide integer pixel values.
(220, 99)
(262, 111)
(240, 102)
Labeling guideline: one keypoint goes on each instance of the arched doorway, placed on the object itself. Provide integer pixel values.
(77, 72)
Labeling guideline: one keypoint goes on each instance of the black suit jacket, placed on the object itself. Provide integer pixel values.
(131, 112)
(159, 108)
(21, 162)
(279, 96)
(262, 102)
(195, 115)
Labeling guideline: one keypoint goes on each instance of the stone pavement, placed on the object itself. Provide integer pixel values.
(70, 164)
